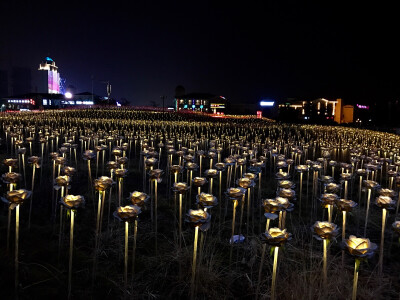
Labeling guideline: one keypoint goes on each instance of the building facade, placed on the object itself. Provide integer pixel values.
(200, 102)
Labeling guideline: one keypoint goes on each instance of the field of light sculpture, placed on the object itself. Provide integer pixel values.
(224, 208)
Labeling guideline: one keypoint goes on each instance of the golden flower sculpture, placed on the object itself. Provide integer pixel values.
(72, 201)
(245, 183)
(191, 166)
(120, 173)
(112, 165)
(156, 174)
(324, 230)
(62, 181)
(11, 162)
(276, 237)
(198, 218)
(235, 192)
(360, 247)
(211, 173)
(15, 197)
(302, 168)
(11, 177)
(103, 183)
(127, 213)
(332, 188)
(387, 192)
(139, 198)
(69, 171)
(385, 202)
(199, 181)
(89, 155)
(345, 205)
(286, 184)
(220, 166)
(328, 199)
(282, 175)
(175, 169)
(287, 193)
(180, 187)
(370, 184)
(206, 200)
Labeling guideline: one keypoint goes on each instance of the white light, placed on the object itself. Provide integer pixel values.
(267, 103)
(68, 95)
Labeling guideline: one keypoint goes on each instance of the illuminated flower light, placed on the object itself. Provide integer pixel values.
(245, 183)
(199, 181)
(385, 202)
(360, 247)
(11, 177)
(324, 230)
(112, 165)
(328, 199)
(127, 213)
(103, 183)
(326, 179)
(191, 166)
(370, 184)
(69, 171)
(235, 193)
(211, 173)
(276, 237)
(89, 155)
(331, 188)
(206, 200)
(198, 218)
(220, 166)
(345, 205)
(16, 197)
(122, 161)
(346, 176)
(387, 192)
(62, 181)
(286, 184)
(73, 202)
(281, 164)
(250, 176)
(229, 161)
(139, 198)
(175, 169)
(156, 175)
(287, 193)
(10, 162)
(120, 173)
(282, 175)
(151, 162)
(180, 187)
(301, 168)
(117, 152)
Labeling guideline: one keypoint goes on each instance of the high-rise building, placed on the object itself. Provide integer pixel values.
(51, 78)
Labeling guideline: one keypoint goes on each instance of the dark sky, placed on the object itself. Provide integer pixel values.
(245, 51)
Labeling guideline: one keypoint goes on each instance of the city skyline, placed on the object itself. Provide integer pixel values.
(245, 53)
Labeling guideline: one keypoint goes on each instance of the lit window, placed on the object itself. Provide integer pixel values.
(44, 101)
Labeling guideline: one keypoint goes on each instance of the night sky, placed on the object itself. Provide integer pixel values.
(245, 51)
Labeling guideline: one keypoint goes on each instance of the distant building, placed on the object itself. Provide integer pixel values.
(200, 102)
(34, 101)
(318, 110)
(50, 78)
